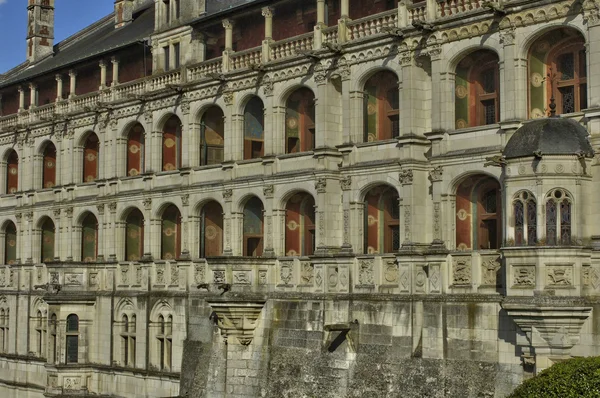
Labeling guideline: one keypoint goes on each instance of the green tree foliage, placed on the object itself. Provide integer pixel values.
(574, 378)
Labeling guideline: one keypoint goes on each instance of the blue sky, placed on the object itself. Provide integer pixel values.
(70, 17)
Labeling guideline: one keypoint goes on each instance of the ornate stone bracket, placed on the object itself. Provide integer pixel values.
(237, 319)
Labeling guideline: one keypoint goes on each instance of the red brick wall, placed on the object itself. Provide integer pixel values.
(88, 78)
(10, 101)
(248, 32)
(215, 41)
(131, 63)
(293, 19)
(46, 91)
(368, 7)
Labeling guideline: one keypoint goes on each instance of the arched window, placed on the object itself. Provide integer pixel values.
(40, 330)
(72, 339)
(477, 90)
(89, 238)
(525, 211)
(171, 233)
(48, 235)
(557, 69)
(212, 136)
(558, 217)
(49, 166)
(478, 214)
(10, 243)
(300, 121)
(4, 320)
(128, 340)
(134, 235)
(253, 228)
(171, 144)
(381, 107)
(254, 129)
(164, 337)
(300, 225)
(135, 150)
(211, 230)
(53, 339)
(12, 173)
(382, 221)
(91, 161)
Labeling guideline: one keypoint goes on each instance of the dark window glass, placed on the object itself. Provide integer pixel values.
(566, 66)
(551, 222)
(531, 223)
(72, 323)
(488, 81)
(568, 99)
(565, 222)
(519, 223)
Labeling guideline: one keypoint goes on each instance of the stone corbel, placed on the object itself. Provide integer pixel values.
(237, 319)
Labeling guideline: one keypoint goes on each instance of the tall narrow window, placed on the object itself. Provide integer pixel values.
(167, 55)
(47, 241)
(12, 173)
(89, 238)
(253, 228)
(381, 107)
(171, 144)
(165, 342)
(477, 88)
(49, 166)
(558, 217)
(171, 233)
(134, 236)
(53, 339)
(211, 230)
(40, 330)
(212, 136)
(10, 243)
(3, 330)
(128, 340)
(72, 339)
(557, 69)
(300, 121)
(525, 213)
(135, 150)
(176, 56)
(382, 221)
(91, 153)
(254, 126)
(300, 225)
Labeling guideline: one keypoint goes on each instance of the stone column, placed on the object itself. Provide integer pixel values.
(115, 71)
(436, 178)
(509, 67)
(32, 95)
(278, 229)
(267, 12)
(592, 18)
(28, 253)
(59, 88)
(153, 162)
(21, 98)
(437, 92)
(68, 238)
(319, 26)
(72, 83)
(411, 94)
(268, 191)
(231, 126)
(102, 75)
(354, 120)
(228, 241)
(277, 131)
(327, 216)
(343, 21)
(228, 25)
(347, 224)
(185, 138)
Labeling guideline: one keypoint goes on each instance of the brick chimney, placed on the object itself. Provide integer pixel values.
(40, 29)
(123, 12)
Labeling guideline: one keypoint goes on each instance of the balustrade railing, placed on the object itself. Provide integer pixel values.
(136, 87)
(446, 8)
(161, 81)
(202, 69)
(84, 101)
(330, 35)
(290, 47)
(246, 58)
(417, 13)
(372, 24)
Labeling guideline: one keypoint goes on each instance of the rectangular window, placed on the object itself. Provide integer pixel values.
(176, 55)
(72, 349)
(566, 66)
(166, 52)
(583, 96)
(567, 95)
(489, 111)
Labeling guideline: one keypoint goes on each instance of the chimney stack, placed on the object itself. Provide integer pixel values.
(123, 12)
(40, 29)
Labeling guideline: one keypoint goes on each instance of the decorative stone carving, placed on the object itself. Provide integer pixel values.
(138, 275)
(420, 280)
(307, 273)
(72, 383)
(56, 212)
(199, 273)
(185, 200)
(74, 279)
(174, 274)
(346, 183)
(319, 278)
(147, 202)
(93, 279)
(557, 276)
(436, 174)
(2, 277)
(262, 277)
(390, 275)
(69, 211)
(365, 273)
(489, 271)
(405, 177)
(286, 272)
(434, 278)
(228, 98)
(160, 274)
(112, 207)
(237, 319)
(321, 185)
(125, 274)
(332, 277)
(268, 86)
(346, 215)
(241, 278)
(524, 276)
(405, 279)
(507, 37)
(100, 208)
(54, 278)
(461, 272)
(219, 276)
(227, 194)
(269, 191)
(407, 218)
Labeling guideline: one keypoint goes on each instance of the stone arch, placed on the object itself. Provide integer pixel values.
(197, 207)
(381, 219)
(253, 226)
(365, 73)
(212, 134)
(210, 214)
(300, 120)
(463, 48)
(364, 189)
(534, 32)
(162, 119)
(294, 190)
(300, 224)
(254, 127)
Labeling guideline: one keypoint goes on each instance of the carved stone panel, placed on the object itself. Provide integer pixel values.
(523, 276)
(366, 272)
(461, 271)
(286, 273)
(420, 279)
(489, 270)
(307, 273)
(559, 275)
(242, 277)
(590, 277)
(390, 273)
(435, 278)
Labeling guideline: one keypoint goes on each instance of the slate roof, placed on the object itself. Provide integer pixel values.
(550, 136)
(101, 39)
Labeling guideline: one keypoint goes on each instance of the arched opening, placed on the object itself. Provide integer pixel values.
(48, 236)
(89, 238)
(300, 121)
(91, 155)
(211, 230)
(253, 228)
(212, 136)
(171, 144)
(477, 90)
(382, 220)
(254, 129)
(300, 225)
(171, 233)
(12, 173)
(72, 339)
(10, 243)
(128, 340)
(381, 107)
(478, 214)
(164, 339)
(525, 216)
(134, 235)
(40, 331)
(135, 150)
(49, 166)
(558, 217)
(557, 70)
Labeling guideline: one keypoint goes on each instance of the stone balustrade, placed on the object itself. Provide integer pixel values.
(372, 25)
(247, 58)
(290, 47)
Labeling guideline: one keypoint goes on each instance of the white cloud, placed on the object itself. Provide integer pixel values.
(3, 2)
